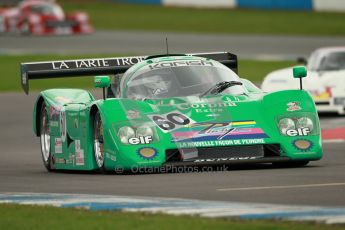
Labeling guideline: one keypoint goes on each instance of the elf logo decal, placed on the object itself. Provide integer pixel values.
(140, 140)
(171, 121)
(63, 125)
(298, 132)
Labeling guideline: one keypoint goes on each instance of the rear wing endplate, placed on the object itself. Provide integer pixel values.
(99, 66)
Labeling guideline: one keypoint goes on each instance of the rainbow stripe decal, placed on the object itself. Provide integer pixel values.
(210, 131)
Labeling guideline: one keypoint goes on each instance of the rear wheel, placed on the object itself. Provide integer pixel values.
(291, 164)
(45, 138)
(98, 141)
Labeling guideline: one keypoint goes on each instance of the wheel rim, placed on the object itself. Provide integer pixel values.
(98, 142)
(45, 137)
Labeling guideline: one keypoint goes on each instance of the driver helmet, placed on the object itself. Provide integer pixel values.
(158, 84)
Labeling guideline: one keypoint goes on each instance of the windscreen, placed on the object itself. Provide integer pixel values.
(180, 79)
(48, 9)
(329, 62)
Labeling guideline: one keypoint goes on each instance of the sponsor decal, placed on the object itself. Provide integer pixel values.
(133, 114)
(213, 115)
(226, 159)
(293, 106)
(128, 61)
(220, 143)
(59, 161)
(171, 121)
(140, 140)
(54, 124)
(298, 132)
(303, 145)
(63, 126)
(58, 145)
(147, 153)
(206, 107)
(77, 144)
(80, 64)
(209, 131)
(70, 159)
(170, 64)
(54, 113)
(24, 79)
(79, 154)
(95, 63)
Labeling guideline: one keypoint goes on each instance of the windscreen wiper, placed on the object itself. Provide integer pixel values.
(220, 87)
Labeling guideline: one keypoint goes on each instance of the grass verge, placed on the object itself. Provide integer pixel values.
(10, 68)
(114, 16)
(34, 217)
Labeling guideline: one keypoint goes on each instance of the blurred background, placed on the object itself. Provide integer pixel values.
(265, 34)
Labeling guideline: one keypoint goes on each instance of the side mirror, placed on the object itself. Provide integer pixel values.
(300, 72)
(102, 82)
(302, 60)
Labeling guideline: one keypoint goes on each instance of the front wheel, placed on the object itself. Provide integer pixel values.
(45, 138)
(98, 141)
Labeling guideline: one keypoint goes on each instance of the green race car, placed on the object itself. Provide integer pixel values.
(169, 110)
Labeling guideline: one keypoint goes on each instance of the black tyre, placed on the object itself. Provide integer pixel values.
(45, 138)
(98, 142)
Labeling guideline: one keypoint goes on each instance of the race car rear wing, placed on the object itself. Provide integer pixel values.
(99, 66)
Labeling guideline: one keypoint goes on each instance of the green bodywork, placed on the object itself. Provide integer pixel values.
(256, 113)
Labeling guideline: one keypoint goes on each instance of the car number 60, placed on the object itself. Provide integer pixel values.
(171, 121)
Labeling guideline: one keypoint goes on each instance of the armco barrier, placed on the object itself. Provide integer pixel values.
(329, 5)
(157, 2)
(201, 3)
(306, 5)
(277, 4)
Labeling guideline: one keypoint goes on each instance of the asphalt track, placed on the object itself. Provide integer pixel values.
(131, 42)
(322, 183)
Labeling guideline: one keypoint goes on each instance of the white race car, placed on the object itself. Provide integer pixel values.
(326, 81)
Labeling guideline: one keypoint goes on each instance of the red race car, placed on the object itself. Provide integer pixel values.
(40, 17)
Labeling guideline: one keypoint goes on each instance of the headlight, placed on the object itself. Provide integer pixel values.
(125, 133)
(144, 131)
(286, 124)
(305, 122)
